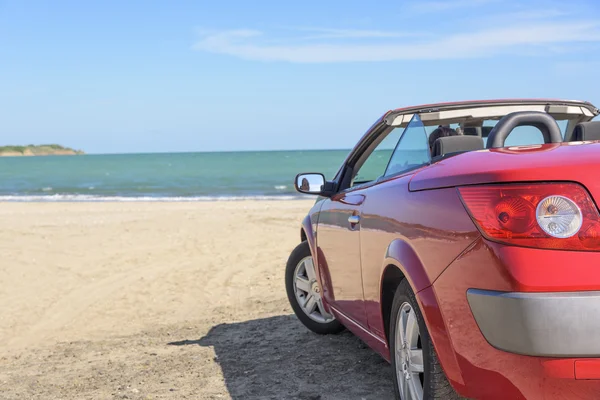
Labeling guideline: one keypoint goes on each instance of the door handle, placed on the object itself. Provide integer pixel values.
(354, 219)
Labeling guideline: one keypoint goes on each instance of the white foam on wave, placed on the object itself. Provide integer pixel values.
(280, 187)
(93, 198)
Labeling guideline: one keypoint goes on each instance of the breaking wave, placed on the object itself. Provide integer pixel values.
(92, 198)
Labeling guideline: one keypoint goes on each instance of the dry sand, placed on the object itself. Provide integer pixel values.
(164, 301)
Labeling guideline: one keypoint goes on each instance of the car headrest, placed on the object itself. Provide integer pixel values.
(541, 120)
(481, 131)
(456, 144)
(472, 131)
(586, 131)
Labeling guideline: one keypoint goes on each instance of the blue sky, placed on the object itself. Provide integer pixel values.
(144, 76)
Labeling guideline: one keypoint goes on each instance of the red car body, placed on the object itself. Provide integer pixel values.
(416, 226)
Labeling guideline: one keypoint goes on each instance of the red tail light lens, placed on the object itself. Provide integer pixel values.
(590, 237)
(546, 215)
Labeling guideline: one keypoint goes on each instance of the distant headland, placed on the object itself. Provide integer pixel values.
(38, 150)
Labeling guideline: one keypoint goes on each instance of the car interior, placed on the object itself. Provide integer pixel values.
(585, 131)
(482, 137)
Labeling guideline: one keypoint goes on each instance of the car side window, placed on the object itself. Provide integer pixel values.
(374, 166)
(412, 150)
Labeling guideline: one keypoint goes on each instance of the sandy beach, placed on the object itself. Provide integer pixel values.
(164, 301)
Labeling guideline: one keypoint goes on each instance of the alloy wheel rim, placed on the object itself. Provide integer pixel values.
(308, 292)
(409, 354)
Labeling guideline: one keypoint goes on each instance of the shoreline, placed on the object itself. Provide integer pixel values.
(145, 199)
(30, 154)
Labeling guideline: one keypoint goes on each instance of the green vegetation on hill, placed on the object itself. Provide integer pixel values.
(37, 150)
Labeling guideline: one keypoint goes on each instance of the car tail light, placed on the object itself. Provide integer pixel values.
(546, 215)
(559, 216)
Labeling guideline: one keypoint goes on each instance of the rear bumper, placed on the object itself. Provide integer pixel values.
(539, 324)
(527, 331)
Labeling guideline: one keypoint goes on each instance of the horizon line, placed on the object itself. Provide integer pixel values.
(209, 151)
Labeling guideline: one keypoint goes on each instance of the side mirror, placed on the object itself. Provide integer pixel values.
(311, 183)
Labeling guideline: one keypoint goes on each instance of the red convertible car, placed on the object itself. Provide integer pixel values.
(461, 241)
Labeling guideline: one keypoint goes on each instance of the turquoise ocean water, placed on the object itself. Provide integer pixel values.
(161, 177)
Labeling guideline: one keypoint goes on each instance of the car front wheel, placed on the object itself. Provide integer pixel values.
(305, 294)
(417, 372)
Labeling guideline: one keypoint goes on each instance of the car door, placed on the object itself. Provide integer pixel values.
(338, 236)
(384, 203)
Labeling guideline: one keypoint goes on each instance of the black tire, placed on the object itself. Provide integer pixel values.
(301, 252)
(435, 383)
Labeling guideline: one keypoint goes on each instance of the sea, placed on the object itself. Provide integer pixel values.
(162, 176)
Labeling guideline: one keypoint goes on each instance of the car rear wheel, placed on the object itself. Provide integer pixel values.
(417, 372)
(305, 294)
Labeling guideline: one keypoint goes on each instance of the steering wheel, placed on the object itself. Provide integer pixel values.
(541, 120)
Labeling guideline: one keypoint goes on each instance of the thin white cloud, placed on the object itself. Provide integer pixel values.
(522, 16)
(252, 44)
(328, 33)
(536, 14)
(441, 5)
